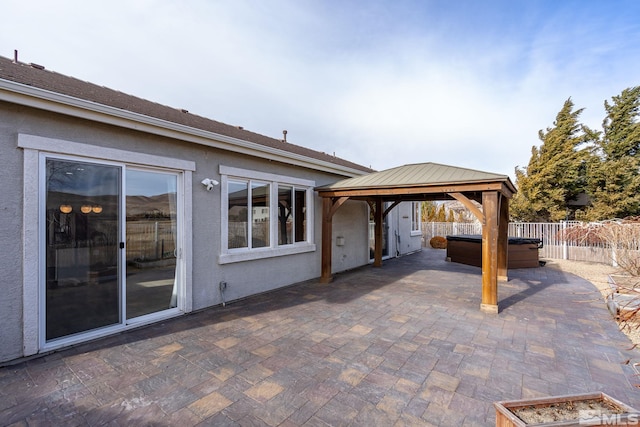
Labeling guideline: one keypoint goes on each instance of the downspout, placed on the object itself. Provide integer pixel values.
(397, 232)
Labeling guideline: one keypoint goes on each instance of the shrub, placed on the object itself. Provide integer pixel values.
(622, 236)
(438, 242)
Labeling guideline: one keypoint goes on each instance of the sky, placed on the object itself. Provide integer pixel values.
(380, 83)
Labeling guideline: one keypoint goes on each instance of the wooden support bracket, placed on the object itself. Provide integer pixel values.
(336, 203)
(393, 205)
(469, 205)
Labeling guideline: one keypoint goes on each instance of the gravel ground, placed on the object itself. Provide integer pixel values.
(597, 274)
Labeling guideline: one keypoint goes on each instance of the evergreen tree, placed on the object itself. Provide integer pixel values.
(614, 171)
(429, 211)
(555, 175)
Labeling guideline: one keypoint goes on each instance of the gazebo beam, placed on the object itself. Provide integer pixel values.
(414, 190)
(469, 205)
(393, 205)
(336, 203)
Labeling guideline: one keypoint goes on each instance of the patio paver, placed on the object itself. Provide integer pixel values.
(405, 344)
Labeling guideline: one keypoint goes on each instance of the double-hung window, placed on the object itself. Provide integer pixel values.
(264, 215)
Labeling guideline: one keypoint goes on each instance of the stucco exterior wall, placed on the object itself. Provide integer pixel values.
(350, 244)
(11, 237)
(408, 241)
(243, 278)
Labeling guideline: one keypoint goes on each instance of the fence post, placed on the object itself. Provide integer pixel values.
(565, 248)
(155, 240)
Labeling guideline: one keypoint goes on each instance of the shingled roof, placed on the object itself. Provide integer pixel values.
(38, 77)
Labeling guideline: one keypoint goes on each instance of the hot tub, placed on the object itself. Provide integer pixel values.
(467, 249)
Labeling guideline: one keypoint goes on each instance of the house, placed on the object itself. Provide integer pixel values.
(119, 212)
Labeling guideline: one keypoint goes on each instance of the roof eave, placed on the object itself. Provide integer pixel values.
(63, 104)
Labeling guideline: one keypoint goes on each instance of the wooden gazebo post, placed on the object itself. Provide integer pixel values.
(378, 218)
(503, 239)
(327, 231)
(329, 207)
(490, 209)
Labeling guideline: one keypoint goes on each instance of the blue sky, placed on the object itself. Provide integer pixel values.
(381, 83)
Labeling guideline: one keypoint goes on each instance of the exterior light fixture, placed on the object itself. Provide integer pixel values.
(85, 209)
(65, 209)
(96, 209)
(209, 183)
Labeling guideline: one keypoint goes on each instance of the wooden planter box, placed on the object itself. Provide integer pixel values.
(588, 410)
(467, 249)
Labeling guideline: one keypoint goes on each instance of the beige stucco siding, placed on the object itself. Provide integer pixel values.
(243, 278)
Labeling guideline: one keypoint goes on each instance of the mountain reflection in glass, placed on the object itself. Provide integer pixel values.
(81, 247)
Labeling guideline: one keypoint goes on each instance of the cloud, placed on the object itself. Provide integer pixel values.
(379, 83)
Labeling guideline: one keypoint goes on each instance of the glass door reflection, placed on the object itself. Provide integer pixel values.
(151, 230)
(81, 247)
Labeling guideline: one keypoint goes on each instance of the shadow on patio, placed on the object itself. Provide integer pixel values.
(403, 344)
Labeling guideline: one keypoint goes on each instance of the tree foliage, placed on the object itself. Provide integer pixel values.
(438, 212)
(614, 167)
(428, 211)
(555, 175)
(573, 161)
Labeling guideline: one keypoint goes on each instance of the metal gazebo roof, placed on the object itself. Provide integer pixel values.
(421, 175)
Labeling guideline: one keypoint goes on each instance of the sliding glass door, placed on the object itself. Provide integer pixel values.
(82, 237)
(151, 242)
(110, 245)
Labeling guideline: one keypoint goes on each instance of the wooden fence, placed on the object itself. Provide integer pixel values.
(150, 240)
(554, 244)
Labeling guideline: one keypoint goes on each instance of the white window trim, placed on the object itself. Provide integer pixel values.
(59, 146)
(416, 209)
(228, 256)
(33, 146)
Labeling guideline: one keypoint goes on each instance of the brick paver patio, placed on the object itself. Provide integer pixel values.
(402, 345)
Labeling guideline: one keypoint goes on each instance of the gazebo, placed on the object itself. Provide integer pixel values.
(430, 182)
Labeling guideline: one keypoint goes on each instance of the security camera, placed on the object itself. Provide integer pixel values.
(209, 183)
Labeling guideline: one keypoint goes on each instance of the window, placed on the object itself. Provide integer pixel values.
(291, 215)
(300, 215)
(248, 209)
(416, 208)
(238, 214)
(260, 218)
(264, 215)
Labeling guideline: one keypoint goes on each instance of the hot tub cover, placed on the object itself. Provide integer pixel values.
(512, 240)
